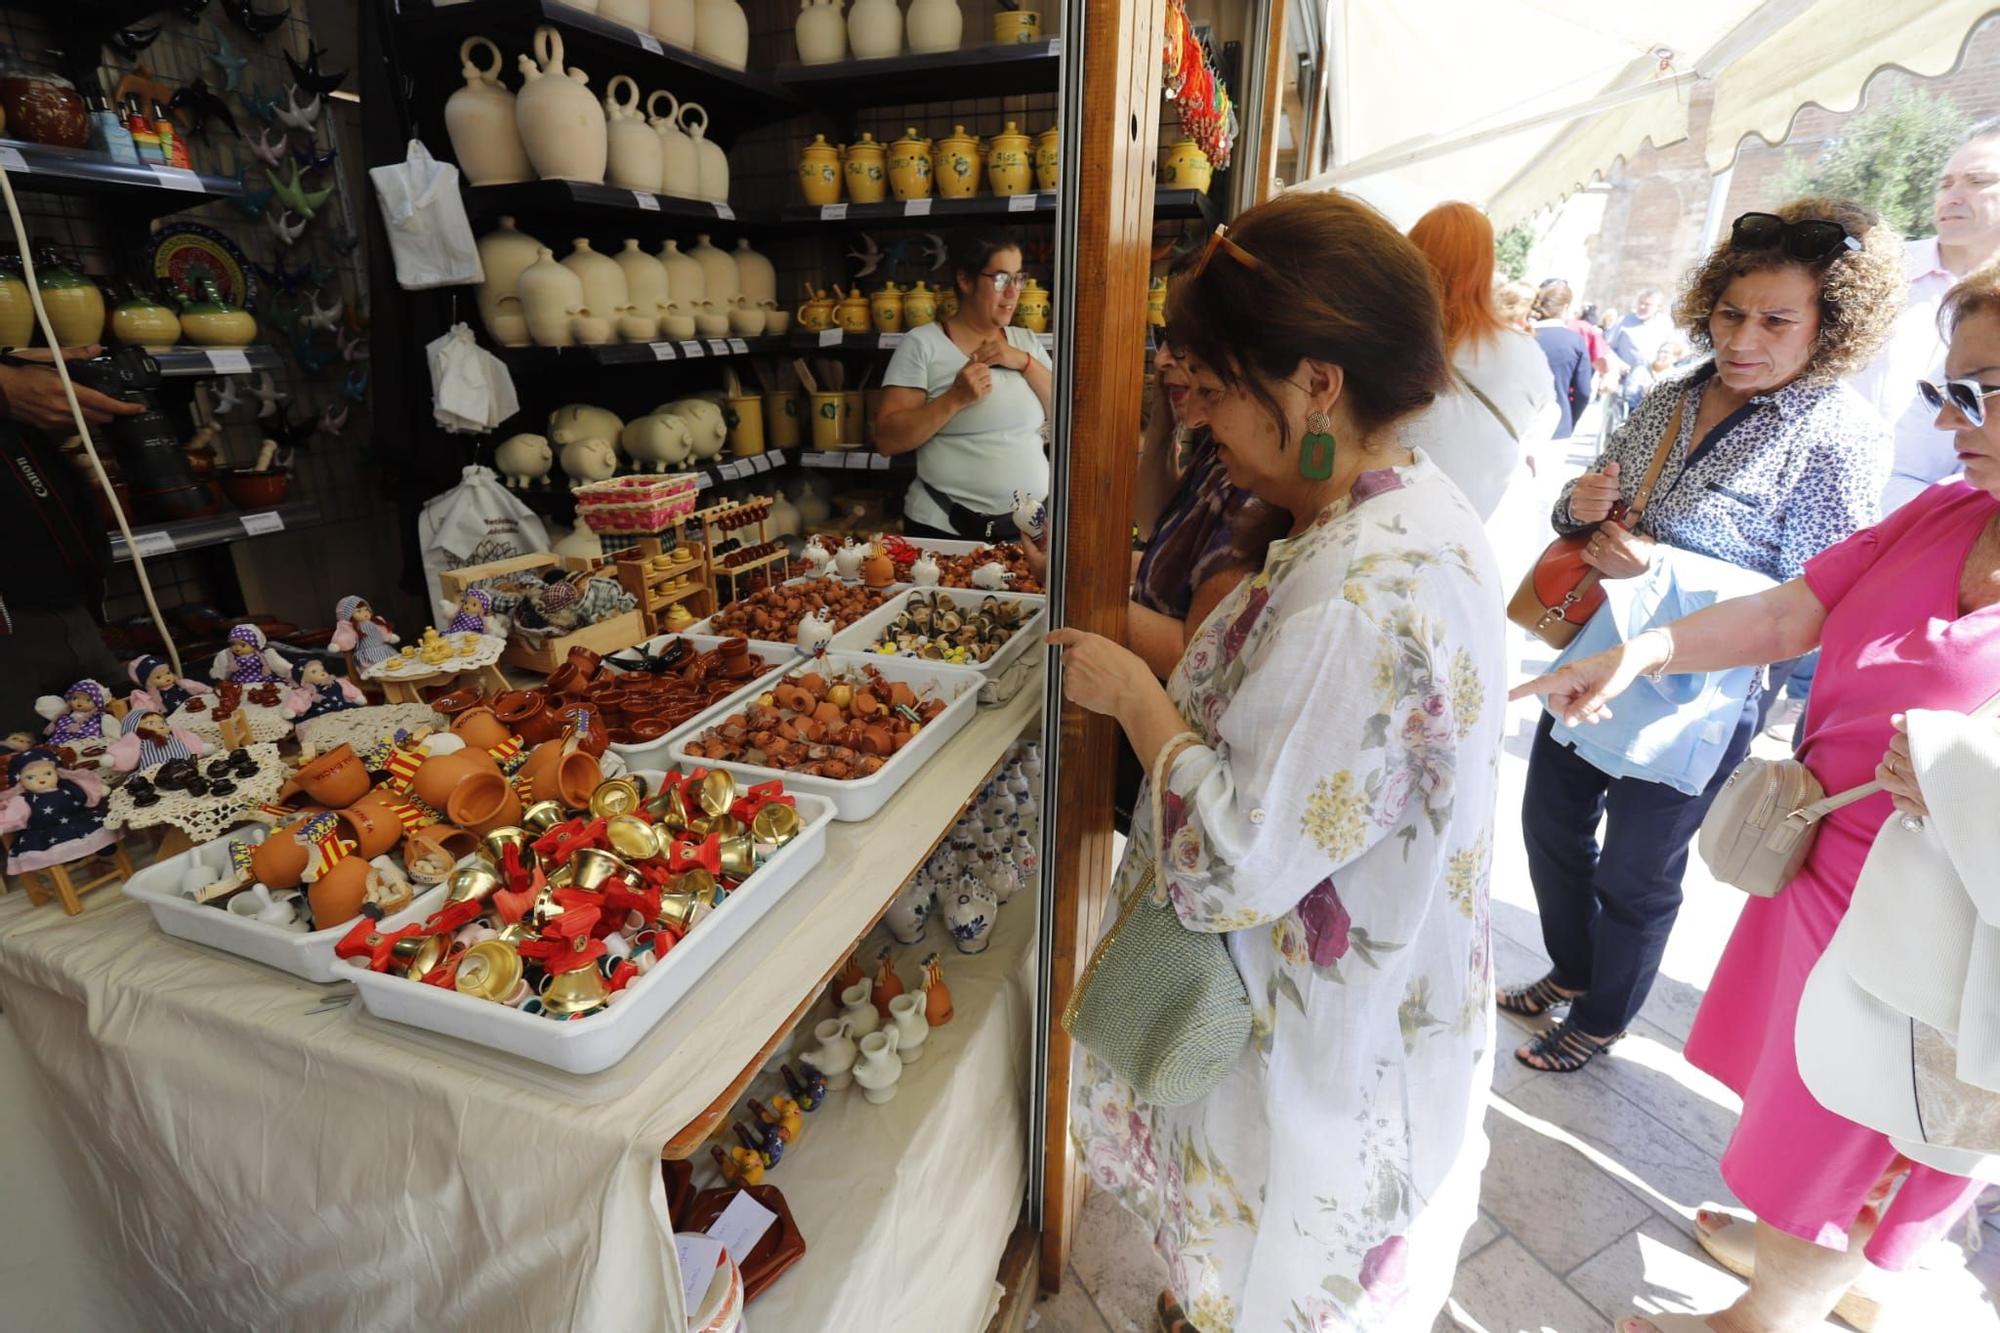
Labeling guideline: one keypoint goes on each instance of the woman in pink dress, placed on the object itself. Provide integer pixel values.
(1907, 614)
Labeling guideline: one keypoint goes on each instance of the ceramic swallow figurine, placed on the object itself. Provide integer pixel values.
(868, 257)
(332, 419)
(308, 75)
(295, 197)
(260, 26)
(268, 396)
(227, 398)
(225, 58)
(314, 161)
(297, 117)
(353, 346)
(286, 236)
(202, 103)
(934, 249)
(263, 107)
(129, 42)
(261, 147)
(322, 317)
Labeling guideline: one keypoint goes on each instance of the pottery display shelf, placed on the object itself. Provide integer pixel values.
(144, 190)
(990, 70)
(1172, 205)
(842, 341)
(858, 459)
(580, 200)
(181, 361)
(1033, 206)
(648, 572)
(215, 530)
(641, 354)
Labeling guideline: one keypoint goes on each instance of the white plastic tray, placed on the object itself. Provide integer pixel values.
(860, 798)
(776, 658)
(303, 954)
(587, 1045)
(876, 626)
(846, 639)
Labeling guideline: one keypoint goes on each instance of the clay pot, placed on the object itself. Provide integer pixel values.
(584, 723)
(336, 896)
(440, 775)
(528, 715)
(335, 779)
(479, 118)
(279, 862)
(562, 126)
(556, 773)
(587, 661)
(447, 839)
(372, 824)
(480, 728)
(568, 678)
(484, 802)
(457, 701)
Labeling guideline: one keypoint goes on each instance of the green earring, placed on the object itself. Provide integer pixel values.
(1316, 450)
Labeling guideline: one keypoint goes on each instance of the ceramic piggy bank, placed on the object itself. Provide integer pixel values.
(706, 428)
(814, 635)
(590, 459)
(660, 440)
(924, 572)
(991, 576)
(524, 460)
(581, 421)
(969, 913)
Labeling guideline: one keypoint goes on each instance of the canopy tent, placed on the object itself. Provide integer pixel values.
(1515, 103)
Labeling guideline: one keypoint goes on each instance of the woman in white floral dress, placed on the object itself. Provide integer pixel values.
(1331, 813)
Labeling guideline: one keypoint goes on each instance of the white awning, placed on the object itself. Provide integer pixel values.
(1515, 103)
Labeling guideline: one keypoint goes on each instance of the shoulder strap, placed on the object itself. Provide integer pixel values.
(1660, 452)
(1826, 805)
(1488, 404)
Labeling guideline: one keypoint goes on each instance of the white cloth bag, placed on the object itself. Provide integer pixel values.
(476, 522)
(425, 218)
(471, 389)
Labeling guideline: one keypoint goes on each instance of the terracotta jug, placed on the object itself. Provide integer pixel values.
(756, 276)
(549, 293)
(336, 896)
(722, 33)
(484, 802)
(935, 25)
(603, 281)
(440, 775)
(687, 282)
(480, 727)
(711, 163)
(562, 126)
(504, 254)
(335, 779)
(479, 118)
(371, 823)
(821, 32)
(1008, 164)
(910, 166)
(279, 862)
(875, 29)
(720, 283)
(955, 164)
(672, 21)
(680, 169)
(555, 772)
(865, 166)
(633, 147)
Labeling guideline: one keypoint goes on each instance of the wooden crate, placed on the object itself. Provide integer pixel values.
(608, 636)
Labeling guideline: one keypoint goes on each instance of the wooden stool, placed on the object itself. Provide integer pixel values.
(56, 881)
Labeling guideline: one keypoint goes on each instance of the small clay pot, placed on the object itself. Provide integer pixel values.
(479, 727)
(336, 896)
(584, 723)
(447, 839)
(440, 775)
(372, 823)
(279, 862)
(555, 773)
(484, 802)
(569, 678)
(335, 779)
(650, 728)
(457, 701)
(586, 661)
(528, 713)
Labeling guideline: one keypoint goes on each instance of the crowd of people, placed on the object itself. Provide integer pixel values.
(1312, 696)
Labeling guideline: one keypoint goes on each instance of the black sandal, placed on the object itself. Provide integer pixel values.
(1173, 1319)
(1536, 999)
(1566, 1048)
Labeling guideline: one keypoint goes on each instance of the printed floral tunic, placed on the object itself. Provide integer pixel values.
(1337, 824)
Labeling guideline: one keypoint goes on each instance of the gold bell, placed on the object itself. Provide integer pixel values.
(739, 857)
(727, 826)
(632, 837)
(495, 844)
(521, 930)
(472, 882)
(489, 970)
(670, 806)
(777, 824)
(543, 816)
(682, 909)
(545, 907)
(419, 956)
(591, 867)
(618, 796)
(718, 793)
(574, 992)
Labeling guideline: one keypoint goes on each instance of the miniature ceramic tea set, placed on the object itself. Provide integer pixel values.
(838, 725)
(990, 855)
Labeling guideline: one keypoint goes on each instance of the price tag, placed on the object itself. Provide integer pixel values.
(662, 351)
(256, 525)
(878, 462)
(737, 470)
(703, 481)
(719, 346)
(11, 159)
(725, 212)
(226, 362)
(179, 178)
(890, 341)
(699, 1256)
(153, 543)
(649, 202)
(761, 463)
(692, 350)
(1021, 203)
(648, 42)
(832, 212)
(1055, 46)
(916, 208)
(738, 346)
(831, 337)
(742, 1224)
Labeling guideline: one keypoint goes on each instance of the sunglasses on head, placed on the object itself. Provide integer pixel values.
(1968, 396)
(1219, 240)
(1809, 240)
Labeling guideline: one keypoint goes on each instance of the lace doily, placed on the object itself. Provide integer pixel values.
(203, 818)
(484, 654)
(362, 727)
(266, 724)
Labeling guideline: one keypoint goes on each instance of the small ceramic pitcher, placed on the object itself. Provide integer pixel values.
(835, 1054)
(879, 1070)
(906, 1015)
(857, 1010)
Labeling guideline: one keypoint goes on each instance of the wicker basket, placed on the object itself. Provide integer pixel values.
(636, 504)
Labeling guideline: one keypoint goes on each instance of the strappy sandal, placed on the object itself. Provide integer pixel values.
(1730, 1240)
(1565, 1049)
(1173, 1319)
(1535, 999)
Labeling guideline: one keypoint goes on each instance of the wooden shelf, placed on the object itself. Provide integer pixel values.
(990, 70)
(147, 190)
(738, 571)
(692, 351)
(159, 539)
(179, 362)
(580, 201)
(1169, 205)
(1039, 206)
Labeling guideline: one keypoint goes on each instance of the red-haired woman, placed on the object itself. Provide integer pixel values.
(1500, 399)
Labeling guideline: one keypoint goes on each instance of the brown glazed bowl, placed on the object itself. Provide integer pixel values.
(457, 701)
(586, 661)
(528, 714)
(569, 678)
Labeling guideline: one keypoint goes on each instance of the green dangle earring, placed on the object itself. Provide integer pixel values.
(1316, 450)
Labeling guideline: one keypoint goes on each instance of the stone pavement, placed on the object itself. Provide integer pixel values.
(1589, 1194)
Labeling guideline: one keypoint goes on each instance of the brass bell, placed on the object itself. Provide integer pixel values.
(617, 796)
(683, 908)
(727, 826)
(473, 882)
(632, 837)
(591, 867)
(575, 992)
(777, 824)
(495, 844)
(739, 857)
(718, 793)
(670, 808)
(420, 955)
(545, 908)
(543, 816)
(489, 970)
(521, 930)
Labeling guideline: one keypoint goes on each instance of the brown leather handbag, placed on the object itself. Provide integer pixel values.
(1560, 594)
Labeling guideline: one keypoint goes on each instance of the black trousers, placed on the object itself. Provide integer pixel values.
(1607, 911)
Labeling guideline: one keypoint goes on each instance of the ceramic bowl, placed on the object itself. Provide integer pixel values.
(255, 490)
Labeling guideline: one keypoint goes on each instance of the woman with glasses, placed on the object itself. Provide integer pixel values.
(1907, 615)
(969, 395)
(1772, 460)
(1320, 795)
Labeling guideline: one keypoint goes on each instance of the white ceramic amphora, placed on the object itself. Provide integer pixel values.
(935, 25)
(722, 33)
(646, 285)
(479, 118)
(879, 1069)
(821, 32)
(548, 292)
(603, 280)
(756, 276)
(906, 1015)
(875, 29)
(504, 254)
(686, 283)
(680, 169)
(858, 1011)
(672, 21)
(561, 124)
(835, 1053)
(632, 13)
(711, 163)
(633, 145)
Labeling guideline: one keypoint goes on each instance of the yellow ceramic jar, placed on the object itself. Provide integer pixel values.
(865, 165)
(1048, 159)
(919, 306)
(816, 313)
(947, 303)
(955, 163)
(910, 166)
(1156, 303)
(17, 311)
(781, 420)
(829, 421)
(819, 172)
(853, 314)
(744, 418)
(75, 305)
(887, 308)
(215, 323)
(1187, 168)
(1008, 163)
(1032, 311)
(1016, 26)
(144, 322)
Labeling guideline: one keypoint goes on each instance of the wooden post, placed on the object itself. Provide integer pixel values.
(1115, 138)
(1277, 51)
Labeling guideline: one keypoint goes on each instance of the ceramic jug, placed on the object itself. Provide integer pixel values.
(141, 321)
(479, 118)
(835, 1053)
(75, 303)
(819, 172)
(875, 29)
(855, 999)
(680, 168)
(756, 277)
(865, 167)
(1008, 164)
(910, 166)
(1048, 159)
(562, 126)
(879, 1070)
(632, 13)
(672, 21)
(821, 32)
(722, 33)
(633, 146)
(886, 306)
(1002, 877)
(955, 163)
(935, 25)
(816, 313)
(646, 285)
(969, 913)
(919, 306)
(504, 254)
(549, 292)
(1186, 167)
(911, 910)
(1032, 311)
(1156, 303)
(852, 314)
(603, 281)
(1014, 27)
(720, 281)
(17, 309)
(711, 163)
(687, 282)
(906, 1015)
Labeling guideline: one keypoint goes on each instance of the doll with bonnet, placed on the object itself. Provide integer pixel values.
(150, 741)
(316, 692)
(248, 660)
(475, 614)
(56, 815)
(79, 717)
(358, 630)
(160, 687)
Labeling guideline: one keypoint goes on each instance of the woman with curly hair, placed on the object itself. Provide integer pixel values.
(1772, 460)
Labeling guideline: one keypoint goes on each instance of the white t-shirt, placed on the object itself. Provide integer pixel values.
(1465, 439)
(1915, 350)
(988, 451)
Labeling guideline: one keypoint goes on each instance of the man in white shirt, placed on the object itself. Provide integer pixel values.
(1637, 337)
(1968, 239)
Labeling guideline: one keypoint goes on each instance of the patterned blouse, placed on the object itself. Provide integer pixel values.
(1769, 487)
(1207, 526)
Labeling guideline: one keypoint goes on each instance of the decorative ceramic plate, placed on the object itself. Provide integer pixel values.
(187, 253)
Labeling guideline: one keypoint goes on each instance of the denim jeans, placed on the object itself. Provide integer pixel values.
(1606, 912)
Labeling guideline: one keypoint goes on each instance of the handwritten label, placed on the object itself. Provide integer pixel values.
(649, 42)
(153, 543)
(11, 159)
(742, 1224)
(719, 346)
(256, 525)
(890, 341)
(692, 350)
(1021, 203)
(1055, 46)
(738, 346)
(831, 337)
(226, 362)
(725, 212)
(698, 1256)
(178, 178)
(650, 203)
(916, 208)
(832, 212)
